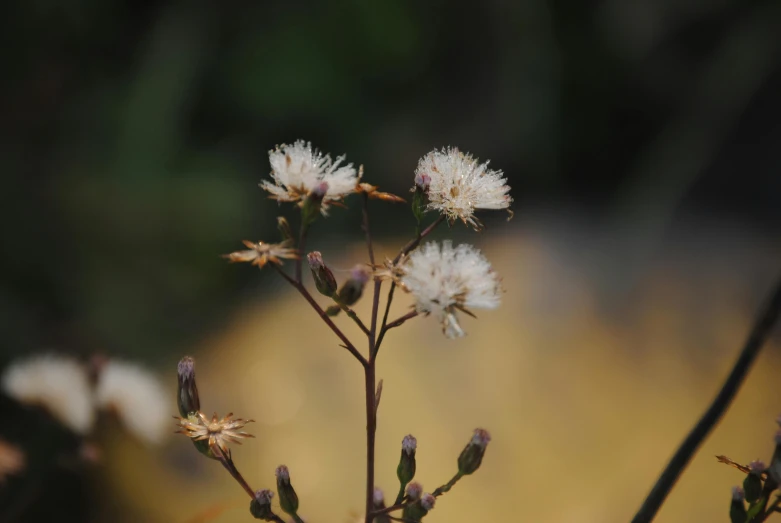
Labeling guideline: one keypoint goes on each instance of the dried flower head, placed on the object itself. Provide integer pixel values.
(217, 431)
(390, 271)
(372, 192)
(457, 185)
(298, 169)
(12, 460)
(282, 473)
(262, 253)
(481, 438)
(58, 384)
(137, 397)
(446, 279)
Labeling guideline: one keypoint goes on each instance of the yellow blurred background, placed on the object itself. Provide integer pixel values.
(586, 388)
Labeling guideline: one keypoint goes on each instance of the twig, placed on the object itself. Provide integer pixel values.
(301, 245)
(301, 289)
(351, 313)
(370, 374)
(227, 462)
(414, 243)
(438, 492)
(396, 323)
(683, 455)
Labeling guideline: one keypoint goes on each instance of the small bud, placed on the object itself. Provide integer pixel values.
(407, 465)
(416, 511)
(472, 455)
(284, 228)
(311, 205)
(737, 510)
(420, 196)
(352, 289)
(757, 467)
(752, 487)
(422, 181)
(378, 498)
(187, 395)
(260, 507)
(414, 491)
(288, 499)
(324, 278)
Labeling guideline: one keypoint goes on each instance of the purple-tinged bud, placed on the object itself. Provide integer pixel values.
(352, 289)
(417, 510)
(422, 181)
(420, 196)
(427, 501)
(284, 228)
(414, 491)
(757, 467)
(324, 278)
(407, 465)
(737, 510)
(752, 485)
(288, 499)
(378, 498)
(260, 506)
(187, 395)
(472, 455)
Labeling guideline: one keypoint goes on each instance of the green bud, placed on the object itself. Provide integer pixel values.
(284, 228)
(288, 499)
(352, 289)
(472, 455)
(737, 510)
(752, 485)
(406, 469)
(310, 208)
(420, 196)
(324, 278)
(417, 510)
(187, 395)
(260, 506)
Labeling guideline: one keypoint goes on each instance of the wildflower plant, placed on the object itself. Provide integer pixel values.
(445, 281)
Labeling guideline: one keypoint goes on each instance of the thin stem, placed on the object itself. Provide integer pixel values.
(371, 429)
(387, 307)
(415, 242)
(759, 333)
(351, 313)
(301, 245)
(396, 323)
(301, 289)
(227, 462)
(297, 519)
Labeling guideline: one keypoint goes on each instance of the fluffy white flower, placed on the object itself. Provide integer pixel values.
(137, 397)
(298, 169)
(457, 184)
(443, 280)
(56, 383)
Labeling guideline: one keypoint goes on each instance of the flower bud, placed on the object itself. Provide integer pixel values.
(352, 289)
(472, 455)
(260, 506)
(737, 510)
(324, 278)
(187, 395)
(288, 499)
(752, 487)
(406, 469)
(311, 205)
(414, 491)
(420, 196)
(284, 228)
(416, 511)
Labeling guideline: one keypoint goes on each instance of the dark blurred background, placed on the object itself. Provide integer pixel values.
(134, 135)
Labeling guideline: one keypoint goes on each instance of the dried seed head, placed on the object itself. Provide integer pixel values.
(261, 253)
(216, 432)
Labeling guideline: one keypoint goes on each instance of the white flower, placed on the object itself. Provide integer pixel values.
(457, 185)
(298, 169)
(137, 397)
(445, 279)
(58, 384)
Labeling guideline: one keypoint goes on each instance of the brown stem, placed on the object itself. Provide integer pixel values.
(302, 290)
(415, 242)
(351, 313)
(301, 245)
(227, 462)
(396, 323)
(438, 492)
(759, 333)
(387, 306)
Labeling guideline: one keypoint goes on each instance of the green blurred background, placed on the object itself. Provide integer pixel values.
(641, 139)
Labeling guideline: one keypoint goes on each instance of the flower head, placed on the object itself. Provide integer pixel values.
(446, 279)
(216, 431)
(136, 396)
(262, 253)
(457, 185)
(298, 169)
(414, 490)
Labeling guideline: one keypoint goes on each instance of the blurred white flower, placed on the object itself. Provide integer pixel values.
(298, 169)
(58, 384)
(443, 280)
(457, 185)
(137, 397)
